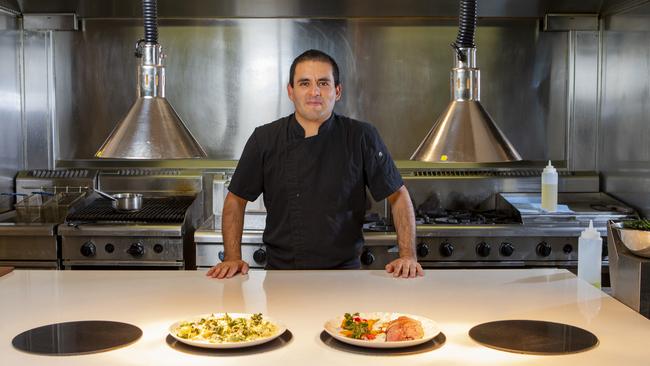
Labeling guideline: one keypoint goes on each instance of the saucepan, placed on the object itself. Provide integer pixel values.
(124, 201)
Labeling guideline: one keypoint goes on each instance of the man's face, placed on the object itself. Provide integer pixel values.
(313, 92)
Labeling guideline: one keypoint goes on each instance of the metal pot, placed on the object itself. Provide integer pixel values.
(124, 201)
(127, 201)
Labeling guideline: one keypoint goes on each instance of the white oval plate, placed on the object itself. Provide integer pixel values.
(225, 345)
(431, 330)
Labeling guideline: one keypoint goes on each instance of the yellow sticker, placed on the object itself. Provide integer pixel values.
(443, 157)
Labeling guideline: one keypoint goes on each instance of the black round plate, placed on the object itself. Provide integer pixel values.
(533, 337)
(74, 338)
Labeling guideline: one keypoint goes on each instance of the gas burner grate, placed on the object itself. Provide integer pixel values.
(154, 210)
(451, 217)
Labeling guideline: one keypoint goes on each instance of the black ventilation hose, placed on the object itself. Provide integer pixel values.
(466, 24)
(150, 15)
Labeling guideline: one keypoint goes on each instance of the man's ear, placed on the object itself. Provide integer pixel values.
(290, 91)
(339, 89)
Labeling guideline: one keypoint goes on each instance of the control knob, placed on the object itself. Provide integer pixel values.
(506, 249)
(446, 249)
(543, 249)
(483, 249)
(136, 250)
(88, 249)
(422, 250)
(367, 258)
(259, 256)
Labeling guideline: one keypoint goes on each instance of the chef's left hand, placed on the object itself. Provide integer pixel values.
(406, 267)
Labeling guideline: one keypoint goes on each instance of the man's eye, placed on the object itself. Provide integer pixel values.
(304, 83)
(323, 83)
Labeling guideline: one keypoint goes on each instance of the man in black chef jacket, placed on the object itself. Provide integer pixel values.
(313, 167)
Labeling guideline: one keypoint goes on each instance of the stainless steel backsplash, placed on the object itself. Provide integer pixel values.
(227, 76)
(11, 147)
(624, 128)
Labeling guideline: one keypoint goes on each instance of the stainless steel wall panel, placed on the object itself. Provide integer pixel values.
(624, 130)
(58, 21)
(307, 8)
(38, 123)
(225, 77)
(11, 151)
(583, 125)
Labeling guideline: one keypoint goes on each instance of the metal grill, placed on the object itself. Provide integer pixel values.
(486, 173)
(74, 173)
(154, 210)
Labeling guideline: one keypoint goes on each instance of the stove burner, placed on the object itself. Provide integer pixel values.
(373, 222)
(612, 208)
(154, 210)
(462, 217)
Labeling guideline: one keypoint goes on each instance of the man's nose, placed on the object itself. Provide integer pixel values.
(315, 90)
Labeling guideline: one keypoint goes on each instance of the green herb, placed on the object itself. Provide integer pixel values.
(357, 326)
(349, 320)
(642, 224)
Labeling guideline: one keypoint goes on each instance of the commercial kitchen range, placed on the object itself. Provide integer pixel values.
(459, 223)
(89, 233)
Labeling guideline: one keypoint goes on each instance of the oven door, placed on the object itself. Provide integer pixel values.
(121, 265)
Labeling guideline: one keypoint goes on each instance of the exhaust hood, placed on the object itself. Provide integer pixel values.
(465, 131)
(151, 129)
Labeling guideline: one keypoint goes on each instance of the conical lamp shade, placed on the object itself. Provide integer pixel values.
(151, 130)
(465, 133)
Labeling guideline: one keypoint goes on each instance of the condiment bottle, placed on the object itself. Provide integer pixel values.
(549, 188)
(590, 251)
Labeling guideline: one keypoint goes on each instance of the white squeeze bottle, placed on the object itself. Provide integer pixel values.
(549, 188)
(590, 251)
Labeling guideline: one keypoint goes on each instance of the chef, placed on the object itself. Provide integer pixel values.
(313, 168)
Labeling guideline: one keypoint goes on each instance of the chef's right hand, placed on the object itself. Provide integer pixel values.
(228, 268)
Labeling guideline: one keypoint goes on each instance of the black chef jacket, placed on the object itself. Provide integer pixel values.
(314, 189)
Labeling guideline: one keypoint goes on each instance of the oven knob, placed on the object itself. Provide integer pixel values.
(422, 250)
(136, 250)
(259, 256)
(543, 249)
(367, 258)
(568, 248)
(109, 248)
(483, 249)
(221, 256)
(88, 249)
(506, 249)
(158, 248)
(446, 249)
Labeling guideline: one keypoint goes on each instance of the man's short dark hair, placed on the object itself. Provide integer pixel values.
(315, 55)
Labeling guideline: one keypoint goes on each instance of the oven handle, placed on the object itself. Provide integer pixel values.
(434, 264)
(122, 263)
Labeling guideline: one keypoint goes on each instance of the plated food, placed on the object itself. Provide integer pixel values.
(382, 330)
(226, 330)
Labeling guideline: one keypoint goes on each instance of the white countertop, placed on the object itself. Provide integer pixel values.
(304, 300)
